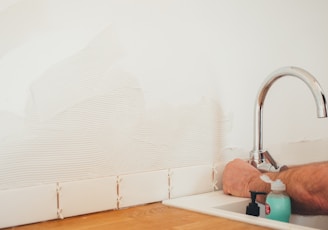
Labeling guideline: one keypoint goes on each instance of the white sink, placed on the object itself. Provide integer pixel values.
(219, 204)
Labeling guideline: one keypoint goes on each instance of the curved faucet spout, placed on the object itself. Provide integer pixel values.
(258, 155)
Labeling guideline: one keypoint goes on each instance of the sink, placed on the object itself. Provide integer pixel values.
(218, 204)
(315, 222)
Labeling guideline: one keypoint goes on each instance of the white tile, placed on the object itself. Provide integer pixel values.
(141, 188)
(87, 196)
(219, 168)
(191, 180)
(27, 205)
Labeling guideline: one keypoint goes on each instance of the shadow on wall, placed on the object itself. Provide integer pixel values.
(86, 119)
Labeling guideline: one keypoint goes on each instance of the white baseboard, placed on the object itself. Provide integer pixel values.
(46, 202)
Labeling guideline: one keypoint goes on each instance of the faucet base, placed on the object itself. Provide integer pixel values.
(267, 167)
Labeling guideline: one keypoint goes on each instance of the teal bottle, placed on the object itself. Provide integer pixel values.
(277, 204)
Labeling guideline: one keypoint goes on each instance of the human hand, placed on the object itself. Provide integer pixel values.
(239, 177)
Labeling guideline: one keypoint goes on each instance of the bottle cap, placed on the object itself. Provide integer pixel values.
(276, 185)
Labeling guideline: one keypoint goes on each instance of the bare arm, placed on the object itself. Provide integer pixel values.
(307, 185)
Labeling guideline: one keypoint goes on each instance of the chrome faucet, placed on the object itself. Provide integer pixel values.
(259, 157)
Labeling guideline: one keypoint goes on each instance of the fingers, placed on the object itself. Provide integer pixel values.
(237, 176)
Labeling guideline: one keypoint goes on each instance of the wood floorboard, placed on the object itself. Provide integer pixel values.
(151, 216)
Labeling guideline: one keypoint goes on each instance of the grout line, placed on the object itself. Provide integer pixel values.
(169, 173)
(118, 196)
(59, 210)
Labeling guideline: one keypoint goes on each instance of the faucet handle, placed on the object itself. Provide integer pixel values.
(269, 160)
(265, 162)
(266, 155)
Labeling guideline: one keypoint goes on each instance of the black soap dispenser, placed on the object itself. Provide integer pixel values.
(253, 209)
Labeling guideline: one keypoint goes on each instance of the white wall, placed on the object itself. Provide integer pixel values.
(94, 88)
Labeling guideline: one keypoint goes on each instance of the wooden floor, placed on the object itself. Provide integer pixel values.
(151, 216)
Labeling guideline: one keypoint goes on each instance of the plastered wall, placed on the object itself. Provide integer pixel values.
(70, 111)
(97, 88)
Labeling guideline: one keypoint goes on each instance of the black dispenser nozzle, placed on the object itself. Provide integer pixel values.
(253, 209)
